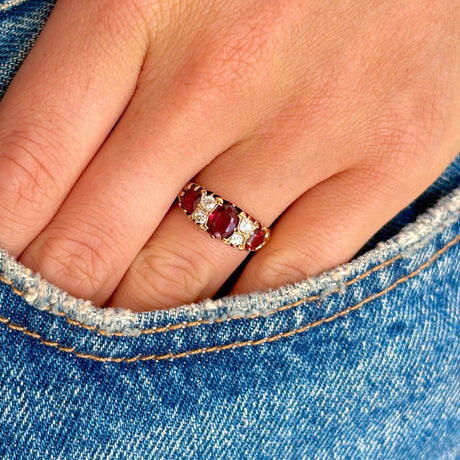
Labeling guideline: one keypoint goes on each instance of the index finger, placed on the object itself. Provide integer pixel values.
(61, 105)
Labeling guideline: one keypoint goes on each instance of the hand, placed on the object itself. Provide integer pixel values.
(328, 116)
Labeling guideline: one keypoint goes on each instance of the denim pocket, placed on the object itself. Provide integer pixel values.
(238, 321)
(359, 362)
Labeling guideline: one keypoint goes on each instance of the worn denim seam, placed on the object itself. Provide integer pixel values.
(44, 296)
(183, 325)
(173, 327)
(234, 345)
(11, 4)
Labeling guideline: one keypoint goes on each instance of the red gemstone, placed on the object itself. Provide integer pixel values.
(223, 221)
(255, 240)
(190, 200)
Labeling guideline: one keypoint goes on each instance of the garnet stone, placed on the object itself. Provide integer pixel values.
(255, 240)
(223, 221)
(190, 200)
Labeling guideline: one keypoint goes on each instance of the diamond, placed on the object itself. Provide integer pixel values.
(237, 239)
(246, 225)
(208, 203)
(199, 216)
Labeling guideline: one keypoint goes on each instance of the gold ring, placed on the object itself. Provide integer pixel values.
(221, 219)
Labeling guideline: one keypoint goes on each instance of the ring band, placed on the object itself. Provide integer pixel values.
(221, 219)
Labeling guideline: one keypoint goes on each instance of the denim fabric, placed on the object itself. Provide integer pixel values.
(362, 361)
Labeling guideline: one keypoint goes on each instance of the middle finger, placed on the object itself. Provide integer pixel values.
(125, 192)
(180, 263)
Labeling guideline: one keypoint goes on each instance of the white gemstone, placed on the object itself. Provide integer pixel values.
(208, 203)
(199, 216)
(236, 239)
(246, 226)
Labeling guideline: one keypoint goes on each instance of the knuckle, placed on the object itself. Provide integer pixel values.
(79, 267)
(27, 185)
(238, 59)
(124, 20)
(235, 58)
(278, 269)
(409, 130)
(171, 275)
(400, 137)
(109, 10)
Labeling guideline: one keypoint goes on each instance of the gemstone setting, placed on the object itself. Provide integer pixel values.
(208, 203)
(237, 239)
(200, 217)
(190, 200)
(256, 240)
(246, 225)
(223, 221)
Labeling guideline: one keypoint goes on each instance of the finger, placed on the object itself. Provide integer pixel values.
(60, 107)
(327, 225)
(128, 188)
(180, 263)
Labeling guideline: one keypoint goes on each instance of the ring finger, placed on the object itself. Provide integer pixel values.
(180, 263)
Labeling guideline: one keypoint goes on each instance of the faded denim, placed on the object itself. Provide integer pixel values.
(362, 361)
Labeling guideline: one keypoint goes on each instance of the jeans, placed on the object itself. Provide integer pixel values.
(362, 361)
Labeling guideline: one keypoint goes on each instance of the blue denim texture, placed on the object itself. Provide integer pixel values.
(360, 362)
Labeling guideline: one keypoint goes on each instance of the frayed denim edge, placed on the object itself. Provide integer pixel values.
(10, 4)
(45, 296)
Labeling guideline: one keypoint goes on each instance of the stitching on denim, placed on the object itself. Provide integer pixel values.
(173, 327)
(234, 345)
(184, 324)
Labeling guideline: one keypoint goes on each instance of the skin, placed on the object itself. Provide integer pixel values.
(326, 117)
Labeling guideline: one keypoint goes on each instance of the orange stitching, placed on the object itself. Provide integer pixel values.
(173, 327)
(183, 325)
(216, 348)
